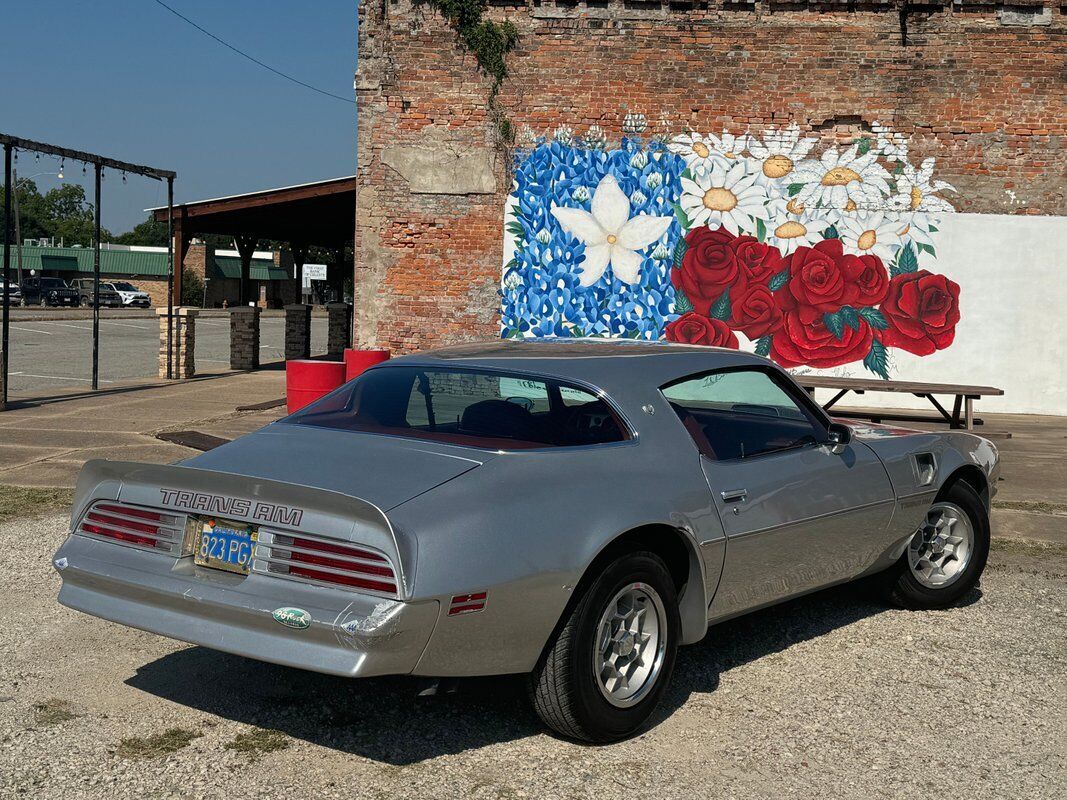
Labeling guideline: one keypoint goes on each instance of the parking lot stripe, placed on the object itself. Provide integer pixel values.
(58, 377)
(31, 330)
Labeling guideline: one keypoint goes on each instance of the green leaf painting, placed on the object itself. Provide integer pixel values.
(877, 360)
(681, 302)
(778, 280)
(834, 324)
(906, 261)
(874, 318)
(722, 309)
(679, 253)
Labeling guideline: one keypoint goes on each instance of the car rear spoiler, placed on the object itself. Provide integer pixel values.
(270, 504)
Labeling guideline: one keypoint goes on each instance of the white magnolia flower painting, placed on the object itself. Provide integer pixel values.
(610, 235)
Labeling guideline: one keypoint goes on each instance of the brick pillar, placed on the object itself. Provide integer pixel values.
(297, 331)
(339, 331)
(183, 342)
(244, 337)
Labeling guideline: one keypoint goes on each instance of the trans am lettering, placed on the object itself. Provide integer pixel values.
(218, 504)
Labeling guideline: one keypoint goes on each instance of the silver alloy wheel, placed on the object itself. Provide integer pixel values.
(941, 548)
(631, 641)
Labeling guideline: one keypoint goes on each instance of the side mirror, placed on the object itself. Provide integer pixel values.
(838, 437)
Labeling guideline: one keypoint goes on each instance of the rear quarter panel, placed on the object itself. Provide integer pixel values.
(525, 526)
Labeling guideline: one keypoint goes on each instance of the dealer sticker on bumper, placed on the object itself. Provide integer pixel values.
(292, 617)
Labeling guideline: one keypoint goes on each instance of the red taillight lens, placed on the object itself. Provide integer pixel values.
(344, 580)
(99, 530)
(337, 549)
(327, 561)
(141, 527)
(125, 523)
(337, 563)
(140, 513)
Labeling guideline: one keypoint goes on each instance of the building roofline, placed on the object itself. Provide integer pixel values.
(255, 193)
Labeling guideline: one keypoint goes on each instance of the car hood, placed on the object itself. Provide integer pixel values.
(383, 470)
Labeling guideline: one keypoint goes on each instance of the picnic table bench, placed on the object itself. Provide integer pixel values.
(964, 398)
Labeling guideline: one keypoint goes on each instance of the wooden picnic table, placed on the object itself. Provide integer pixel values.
(964, 397)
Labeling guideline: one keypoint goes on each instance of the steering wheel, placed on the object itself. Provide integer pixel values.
(522, 402)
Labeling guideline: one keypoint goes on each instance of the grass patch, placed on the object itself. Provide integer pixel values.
(1038, 507)
(53, 711)
(1028, 547)
(161, 744)
(19, 501)
(256, 742)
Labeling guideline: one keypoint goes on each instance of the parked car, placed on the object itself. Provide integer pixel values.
(108, 296)
(130, 295)
(12, 290)
(572, 510)
(48, 292)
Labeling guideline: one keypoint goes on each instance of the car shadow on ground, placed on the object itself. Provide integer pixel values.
(383, 719)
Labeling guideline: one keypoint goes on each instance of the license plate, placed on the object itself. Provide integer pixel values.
(225, 545)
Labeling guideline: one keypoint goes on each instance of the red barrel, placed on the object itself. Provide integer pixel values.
(307, 381)
(358, 360)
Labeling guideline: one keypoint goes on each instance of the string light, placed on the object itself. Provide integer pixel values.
(62, 164)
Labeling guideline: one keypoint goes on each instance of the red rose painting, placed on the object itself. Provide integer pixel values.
(821, 279)
(814, 345)
(755, 312)
(709, 267)
(922, 310)
(693, 328)
(759, 262)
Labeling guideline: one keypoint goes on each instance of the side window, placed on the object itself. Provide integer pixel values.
(741, 414)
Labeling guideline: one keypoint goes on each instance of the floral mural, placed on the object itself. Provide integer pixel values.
(815, 258)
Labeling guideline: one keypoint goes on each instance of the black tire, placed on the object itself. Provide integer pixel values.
(564, 688)
(900, 586)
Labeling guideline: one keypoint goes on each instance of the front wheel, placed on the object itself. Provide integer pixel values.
(947, 554)
(608, 666)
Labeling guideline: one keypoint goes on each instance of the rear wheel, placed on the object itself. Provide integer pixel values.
(947, 554)
(609, 664)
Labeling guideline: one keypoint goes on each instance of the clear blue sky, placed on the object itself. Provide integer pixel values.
(128, 79)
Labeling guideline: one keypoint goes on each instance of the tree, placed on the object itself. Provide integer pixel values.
(62, 213)
(192, 288)
(71, 216)
(147, 234)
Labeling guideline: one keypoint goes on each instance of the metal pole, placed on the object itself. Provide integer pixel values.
(18, 227)
(96, 286)
(7, 268)
(170, 278)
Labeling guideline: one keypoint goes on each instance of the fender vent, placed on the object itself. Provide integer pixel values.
(925, 468)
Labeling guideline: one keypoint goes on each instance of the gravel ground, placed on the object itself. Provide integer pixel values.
(827, 696)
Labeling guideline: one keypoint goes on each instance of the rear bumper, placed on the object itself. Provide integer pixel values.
(351, 634)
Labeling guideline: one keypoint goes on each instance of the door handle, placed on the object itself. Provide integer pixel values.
(734, 495)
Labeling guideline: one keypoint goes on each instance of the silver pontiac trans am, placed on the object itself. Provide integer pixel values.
(570, 510)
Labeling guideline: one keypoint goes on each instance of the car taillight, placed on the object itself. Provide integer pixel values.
(131, 525)
(312, 558)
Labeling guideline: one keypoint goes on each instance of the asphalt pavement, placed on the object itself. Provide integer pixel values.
(50, 354)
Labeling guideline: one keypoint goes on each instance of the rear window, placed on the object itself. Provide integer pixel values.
(490, 409)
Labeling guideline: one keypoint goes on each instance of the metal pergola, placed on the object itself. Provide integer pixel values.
(13, 143)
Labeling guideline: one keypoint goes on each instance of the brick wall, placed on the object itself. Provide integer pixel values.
(980, 87)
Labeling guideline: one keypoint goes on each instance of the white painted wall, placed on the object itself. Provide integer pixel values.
(1012, 334)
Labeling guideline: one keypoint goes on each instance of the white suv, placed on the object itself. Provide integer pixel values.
(130, 294)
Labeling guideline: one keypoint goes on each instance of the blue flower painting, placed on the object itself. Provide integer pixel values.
(591, 236)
